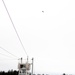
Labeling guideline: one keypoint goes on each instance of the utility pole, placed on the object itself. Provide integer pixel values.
(32, 65)
(21, 60)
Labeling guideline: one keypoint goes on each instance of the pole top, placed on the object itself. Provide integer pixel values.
(21, 59)
(32, 59)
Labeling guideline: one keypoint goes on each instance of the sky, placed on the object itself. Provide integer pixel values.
(48, 37)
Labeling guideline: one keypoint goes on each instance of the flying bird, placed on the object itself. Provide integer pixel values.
(43, 11)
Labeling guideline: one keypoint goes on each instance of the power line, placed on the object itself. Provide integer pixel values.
(8, 52)
(14, 27)
(7, 59)
(4, 55)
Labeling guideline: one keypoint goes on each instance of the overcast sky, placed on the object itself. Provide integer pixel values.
(47, 36)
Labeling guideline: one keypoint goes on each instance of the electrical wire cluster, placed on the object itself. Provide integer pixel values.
(16, 34)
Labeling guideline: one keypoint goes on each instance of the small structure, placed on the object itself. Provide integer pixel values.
(24, 68)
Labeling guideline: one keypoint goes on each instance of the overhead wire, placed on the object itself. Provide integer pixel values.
(7, 56)
(8, 59)
(4, 55)
(8, 52)
(14, 28)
